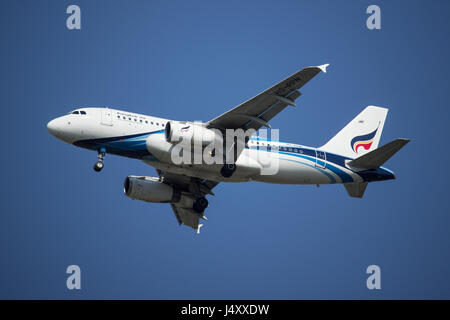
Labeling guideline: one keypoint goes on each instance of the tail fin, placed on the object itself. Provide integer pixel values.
(361, 135)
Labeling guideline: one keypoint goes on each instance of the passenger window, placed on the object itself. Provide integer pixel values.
(135, 119)
(146, 121)
(157, 124)
(152, 122)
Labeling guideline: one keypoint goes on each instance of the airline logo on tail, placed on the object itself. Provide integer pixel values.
(364, 141)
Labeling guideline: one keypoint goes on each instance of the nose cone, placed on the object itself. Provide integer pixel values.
(52, 127)
(61, 128)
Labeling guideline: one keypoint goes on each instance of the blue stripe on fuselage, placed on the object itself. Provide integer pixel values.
(332, 179)
(345, 177)
(131, 146)
(134, 146)
(333, 162)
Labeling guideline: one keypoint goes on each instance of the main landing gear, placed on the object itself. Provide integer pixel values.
(98, 166)
(227, 170)
(200, 205)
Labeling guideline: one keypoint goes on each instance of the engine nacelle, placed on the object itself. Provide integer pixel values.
(150, 189)
(194, 133)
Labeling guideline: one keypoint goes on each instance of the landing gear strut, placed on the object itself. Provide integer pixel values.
(98, 166)
(227, 170)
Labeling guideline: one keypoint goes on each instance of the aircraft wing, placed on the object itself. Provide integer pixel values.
(259, 110)
(186, 216)
(193, 187)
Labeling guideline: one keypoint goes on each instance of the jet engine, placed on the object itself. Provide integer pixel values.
(150, 189)
(195, 133)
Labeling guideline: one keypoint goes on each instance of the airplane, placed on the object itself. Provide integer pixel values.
(351, 157)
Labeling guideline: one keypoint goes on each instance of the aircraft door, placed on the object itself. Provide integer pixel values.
(106, 117)
(320, 159)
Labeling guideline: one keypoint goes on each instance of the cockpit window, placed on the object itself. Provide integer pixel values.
(75, 112)
(82, 112)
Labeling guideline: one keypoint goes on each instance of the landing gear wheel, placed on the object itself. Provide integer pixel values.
(227, 170)
(98, 166)
(200, 205)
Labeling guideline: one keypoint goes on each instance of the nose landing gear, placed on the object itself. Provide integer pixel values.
(98, 166)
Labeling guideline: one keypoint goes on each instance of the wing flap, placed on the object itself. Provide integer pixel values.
(186, 216)
(188, 185)
(277, 107)
(176, 213)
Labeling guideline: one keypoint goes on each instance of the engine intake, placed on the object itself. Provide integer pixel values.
(190, 132)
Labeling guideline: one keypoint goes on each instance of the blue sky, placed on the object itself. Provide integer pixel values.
(193, 60)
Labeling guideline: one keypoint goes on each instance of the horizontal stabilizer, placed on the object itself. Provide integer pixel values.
(376, 158)
(355, 189)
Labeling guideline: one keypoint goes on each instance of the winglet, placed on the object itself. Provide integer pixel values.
(198, 228)
(323, 67)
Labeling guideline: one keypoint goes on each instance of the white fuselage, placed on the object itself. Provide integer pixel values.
(142, 137)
